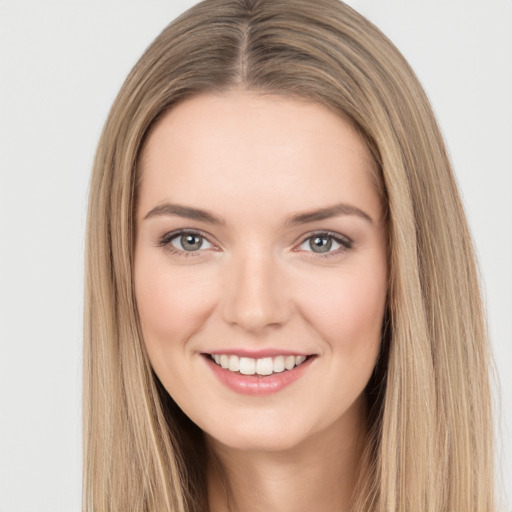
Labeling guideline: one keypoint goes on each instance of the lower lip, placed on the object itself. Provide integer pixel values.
(255, 385)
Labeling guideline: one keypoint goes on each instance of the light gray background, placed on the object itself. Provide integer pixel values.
(61, 64)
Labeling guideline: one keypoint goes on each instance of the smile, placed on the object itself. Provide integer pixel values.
(262, 366)
(258, 376)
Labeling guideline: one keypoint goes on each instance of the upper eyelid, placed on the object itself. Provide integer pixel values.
(332, 234)
(167, 237)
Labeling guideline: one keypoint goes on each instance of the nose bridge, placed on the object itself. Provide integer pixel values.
(255, 295)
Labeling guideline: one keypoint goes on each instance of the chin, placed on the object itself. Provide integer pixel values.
(264, 441)
(246, 434)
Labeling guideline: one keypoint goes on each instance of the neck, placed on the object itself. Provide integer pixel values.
(318, 474)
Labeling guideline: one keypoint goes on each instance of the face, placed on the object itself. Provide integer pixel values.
(260, 267)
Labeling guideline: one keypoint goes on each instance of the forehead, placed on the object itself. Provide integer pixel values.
(271, 148)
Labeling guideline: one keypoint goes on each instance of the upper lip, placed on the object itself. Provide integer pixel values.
(258, 354)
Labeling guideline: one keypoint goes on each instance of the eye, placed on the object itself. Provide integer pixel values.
(185, 241)
(325, 243)
(190, 242)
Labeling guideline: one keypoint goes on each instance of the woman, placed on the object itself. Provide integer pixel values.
(326, 351)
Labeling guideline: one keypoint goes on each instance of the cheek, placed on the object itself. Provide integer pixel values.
(171, 305)
(348, 314)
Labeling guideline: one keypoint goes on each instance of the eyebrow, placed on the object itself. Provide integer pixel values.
(327, 213)
(187, 212)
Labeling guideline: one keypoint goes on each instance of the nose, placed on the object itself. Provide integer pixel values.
(255, 296)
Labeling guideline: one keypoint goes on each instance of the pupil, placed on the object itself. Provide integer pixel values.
(191, 242)
(321, 244)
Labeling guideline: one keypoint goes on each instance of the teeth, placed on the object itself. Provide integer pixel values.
(289, 362)
(263, 366)
(234, 364)
(247, 366)
(279, 364)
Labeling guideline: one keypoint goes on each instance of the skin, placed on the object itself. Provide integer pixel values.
(255, 282)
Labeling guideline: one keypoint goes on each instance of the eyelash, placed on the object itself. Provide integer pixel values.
(165, 242)
(344, 242)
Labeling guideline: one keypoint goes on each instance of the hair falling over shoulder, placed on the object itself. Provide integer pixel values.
(430, 433)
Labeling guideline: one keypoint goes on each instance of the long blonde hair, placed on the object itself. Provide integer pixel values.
(430, 438)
